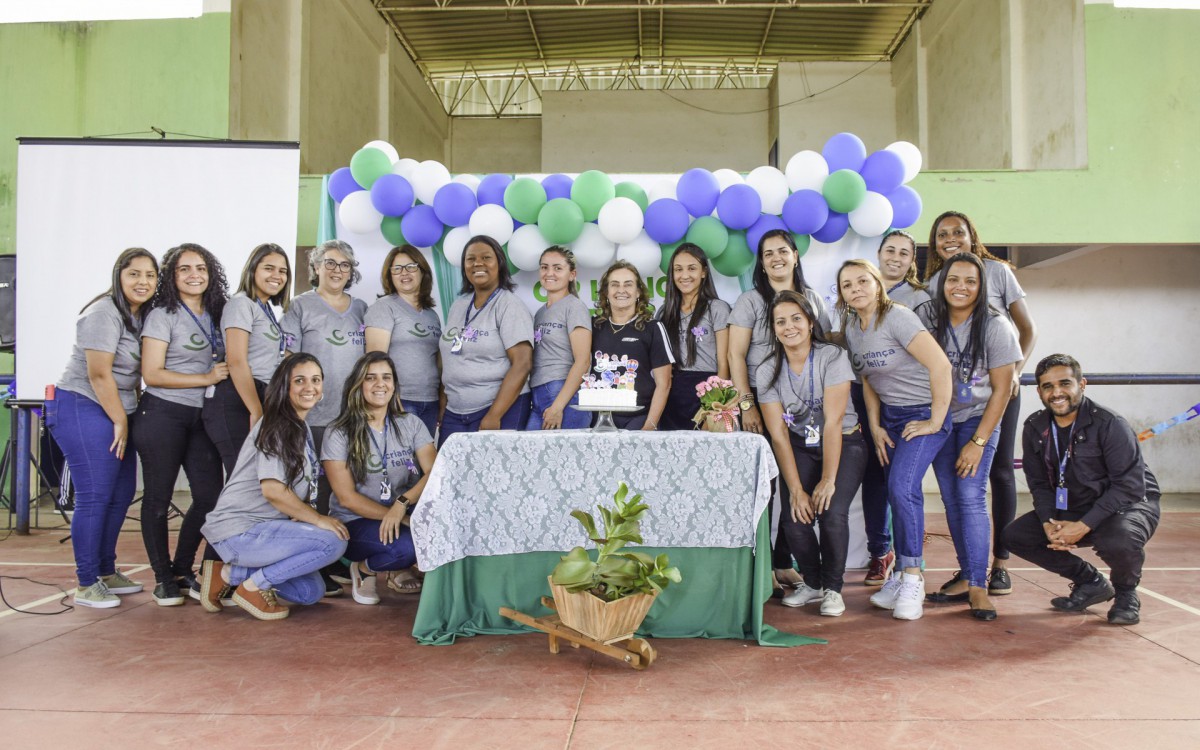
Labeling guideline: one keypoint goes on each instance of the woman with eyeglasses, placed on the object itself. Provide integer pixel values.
(403, 324)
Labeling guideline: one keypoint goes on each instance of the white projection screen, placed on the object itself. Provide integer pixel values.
(80, 202)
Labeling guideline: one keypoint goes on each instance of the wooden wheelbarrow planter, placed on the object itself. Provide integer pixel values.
(636, 652)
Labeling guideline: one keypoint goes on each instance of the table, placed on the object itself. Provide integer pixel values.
(494, 519)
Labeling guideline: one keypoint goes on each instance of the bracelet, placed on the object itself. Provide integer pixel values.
(653, 425)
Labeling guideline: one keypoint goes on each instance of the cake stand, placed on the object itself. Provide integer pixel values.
(604, 423)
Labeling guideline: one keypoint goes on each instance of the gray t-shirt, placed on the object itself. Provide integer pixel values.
(413, 345)
(904, 294)
(473, 374)
(406, 435)
(803, 395)
(189, 351)
(715, 318)
(749, 311)
(1003, 287)
(552, 327)
(101, 329)
(242, 505)
(1000, 348)
(264, 350)
(335, 338)
(881, 356)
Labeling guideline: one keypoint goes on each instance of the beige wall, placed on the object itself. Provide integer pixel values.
(862, 103)
(264, 70)
(1050, 127)
(489, 144)
(653, 131)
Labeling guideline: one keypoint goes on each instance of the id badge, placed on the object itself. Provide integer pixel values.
(312, 494)
(962, 393)
(812, 436)
(210, 391)
(1060, 498)
(385, 491)
(456, 347)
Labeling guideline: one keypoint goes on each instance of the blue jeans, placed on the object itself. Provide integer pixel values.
(104, 484)
(515, 418)
(966, 500)
(364, 546)
(426, 411)
(907, 464)
(282, 555)
(877, 517)
(543, 399)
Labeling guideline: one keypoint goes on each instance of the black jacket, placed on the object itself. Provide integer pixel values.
(1105, 475)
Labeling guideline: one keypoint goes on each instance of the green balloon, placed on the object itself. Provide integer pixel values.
(844, 190)
(668, 251)
(512, 267)
(802, 242)
(561, 221)
(737, 258)
(390, 226)
(591, 190)
(524, 198)
(633, 192)
(710, 234)
(368, 165)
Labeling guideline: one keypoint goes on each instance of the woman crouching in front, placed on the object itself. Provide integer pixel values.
(273, 484)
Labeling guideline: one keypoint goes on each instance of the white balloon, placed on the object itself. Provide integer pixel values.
(386, 148)
(873, 216)
(493, 221)
(806, 170)
(592, 249)
(357, 213)
(620, 220)
(771, 186)
(910, 155)
(663, 188)
(526, 246)
(427, 179)
(405, 168)
(469, 180)
(453, 244)
(728, 177)
(644, 253)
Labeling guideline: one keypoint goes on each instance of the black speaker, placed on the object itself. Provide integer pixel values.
(8, 301)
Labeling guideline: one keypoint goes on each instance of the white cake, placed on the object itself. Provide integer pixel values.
(607, 398)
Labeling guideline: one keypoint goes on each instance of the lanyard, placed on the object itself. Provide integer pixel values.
(310, 453)
(964, 367)
(382, 453)
(212, 336)
(469, 317)
(1063, 457)
(812, 386)
(901, 283)
(275, 322)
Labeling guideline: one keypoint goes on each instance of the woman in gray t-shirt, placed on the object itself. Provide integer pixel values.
(266, 527)
(404, 324)
(377, 457)
(89, 416)
(804, 391)
(562, 346)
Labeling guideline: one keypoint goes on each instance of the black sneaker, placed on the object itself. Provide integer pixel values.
(339, 572)
(168, 595)
(999, 583)
(186, 581)
(332, 587)
(1084, 595)
(1125, 610)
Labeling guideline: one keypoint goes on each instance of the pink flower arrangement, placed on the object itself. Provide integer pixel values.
(714, 391)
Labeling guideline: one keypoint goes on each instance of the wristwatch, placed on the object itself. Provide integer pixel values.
(981, 442)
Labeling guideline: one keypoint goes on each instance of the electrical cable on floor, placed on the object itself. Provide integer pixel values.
(65, 607)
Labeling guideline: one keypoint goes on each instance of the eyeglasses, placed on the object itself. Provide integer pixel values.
(333, 265)
(410, 267)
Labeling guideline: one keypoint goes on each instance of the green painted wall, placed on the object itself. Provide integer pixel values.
(1143, 174)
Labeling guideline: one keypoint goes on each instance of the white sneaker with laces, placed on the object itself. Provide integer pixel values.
(885, 598)
(911, 597)
(832, 604)
(802, 595)
(362, 586)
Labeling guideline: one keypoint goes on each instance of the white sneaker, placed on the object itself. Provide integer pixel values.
(97, 595)
(832, 604)
(802, 595)
(885, 598)
(362, 586)
(910, 600)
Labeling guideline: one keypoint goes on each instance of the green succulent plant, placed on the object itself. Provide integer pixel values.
(616, 572)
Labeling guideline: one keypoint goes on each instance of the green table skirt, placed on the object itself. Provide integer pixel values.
(722, 595)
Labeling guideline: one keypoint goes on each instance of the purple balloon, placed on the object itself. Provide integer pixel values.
(805, 211)
(739, 206)
(906, 206)
(765, 223)
(392, 195)
(491, 189)
(421, 226)
(883, 171)
(834, 229)
(557, 186)
(844, 151)
(666, 221)
(698, 191)
(341, 184)
(454, 203)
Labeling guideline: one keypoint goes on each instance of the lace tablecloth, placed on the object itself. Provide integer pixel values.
(501, 493)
